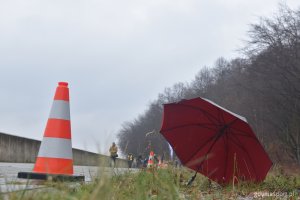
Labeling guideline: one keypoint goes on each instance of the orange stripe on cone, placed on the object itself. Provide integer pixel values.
(58, 128)
(62, 92)
(53, 166)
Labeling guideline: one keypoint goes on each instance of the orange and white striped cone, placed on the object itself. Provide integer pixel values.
(150, 160)
(55, 157)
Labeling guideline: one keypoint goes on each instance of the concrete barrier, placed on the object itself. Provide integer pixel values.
(18, 149)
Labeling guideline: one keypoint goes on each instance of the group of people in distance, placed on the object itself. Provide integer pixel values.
(135, 162)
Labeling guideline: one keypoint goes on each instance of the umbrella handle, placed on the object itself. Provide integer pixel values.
(191, 179)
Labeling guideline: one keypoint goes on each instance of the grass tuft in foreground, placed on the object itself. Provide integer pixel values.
(164, 184)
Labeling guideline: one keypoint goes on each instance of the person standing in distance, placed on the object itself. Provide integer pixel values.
(113, 150)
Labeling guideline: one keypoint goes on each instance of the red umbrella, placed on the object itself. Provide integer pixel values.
(214, 141)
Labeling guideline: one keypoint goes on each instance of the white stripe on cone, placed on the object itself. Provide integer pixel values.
(60, 110)
(56, 148)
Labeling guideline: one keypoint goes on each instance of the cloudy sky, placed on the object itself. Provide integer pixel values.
(117, 55)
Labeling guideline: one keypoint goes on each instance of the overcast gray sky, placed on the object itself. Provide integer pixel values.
(117, 55)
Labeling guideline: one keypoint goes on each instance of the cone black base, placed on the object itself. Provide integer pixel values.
(53, 177)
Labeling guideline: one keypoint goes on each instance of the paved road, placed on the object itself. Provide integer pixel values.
(9, 181)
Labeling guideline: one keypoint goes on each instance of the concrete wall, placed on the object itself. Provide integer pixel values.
(17, 149)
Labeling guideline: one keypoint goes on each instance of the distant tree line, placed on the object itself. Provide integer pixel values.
(263, 86)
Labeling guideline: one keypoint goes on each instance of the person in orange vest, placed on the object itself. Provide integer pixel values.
(151, 160)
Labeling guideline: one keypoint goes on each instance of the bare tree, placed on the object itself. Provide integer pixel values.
(264, 87)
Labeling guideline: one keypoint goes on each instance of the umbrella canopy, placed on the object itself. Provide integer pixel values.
(214, 141)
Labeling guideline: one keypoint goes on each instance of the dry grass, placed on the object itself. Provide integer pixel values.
(166, 184)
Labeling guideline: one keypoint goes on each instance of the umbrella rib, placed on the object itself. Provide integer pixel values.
(242, 133)
(203, 111)
(249, 136)
(185, 125)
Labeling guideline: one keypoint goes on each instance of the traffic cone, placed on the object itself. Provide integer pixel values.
(55, 157)
(150, 160)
